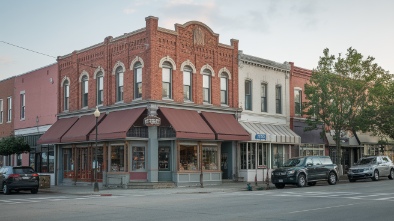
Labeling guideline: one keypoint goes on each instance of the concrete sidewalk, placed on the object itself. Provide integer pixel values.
(226, 186)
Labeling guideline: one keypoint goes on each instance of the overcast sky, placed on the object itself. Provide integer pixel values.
(278, 30)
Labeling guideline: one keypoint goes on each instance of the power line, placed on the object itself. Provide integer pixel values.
(91, 66)
(27, 49)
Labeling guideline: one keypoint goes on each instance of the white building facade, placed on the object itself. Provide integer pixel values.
(264, 98)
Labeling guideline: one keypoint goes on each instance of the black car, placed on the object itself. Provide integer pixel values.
(18, 178)
(305, 170)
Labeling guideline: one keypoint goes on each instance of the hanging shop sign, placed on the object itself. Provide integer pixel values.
(152, 121)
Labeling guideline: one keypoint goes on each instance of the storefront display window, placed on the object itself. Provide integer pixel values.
(311, 150)
(138, 156)
(188, 158)
(164, 158)
(117, 159)
(277, 156)
(244, 157)
(252, 155)
(210, 158)
(44, 161)
(262, 154)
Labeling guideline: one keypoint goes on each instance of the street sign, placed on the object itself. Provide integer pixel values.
(260, 137)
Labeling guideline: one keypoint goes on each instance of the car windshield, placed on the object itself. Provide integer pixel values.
(23, 170)
(366, 161)
(293, 162)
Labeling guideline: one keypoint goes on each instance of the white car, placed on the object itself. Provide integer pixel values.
(371, 167)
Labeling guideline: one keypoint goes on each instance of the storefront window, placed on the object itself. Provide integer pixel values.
(117, 159)
(244, 156)
(311, 150)
(32, 153)
(138, 154)
(210, 158)
(262, 154)
(277, 156)
(252, 155)
(188, 158)
(44, 161)
(19, 160)
(164, 158)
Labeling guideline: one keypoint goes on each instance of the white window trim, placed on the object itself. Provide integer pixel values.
(1, 110)
(9, 110)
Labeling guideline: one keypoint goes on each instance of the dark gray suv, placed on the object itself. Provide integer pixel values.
(305, 170)
(18, 178)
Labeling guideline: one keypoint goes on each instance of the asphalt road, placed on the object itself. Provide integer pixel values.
(363, 200)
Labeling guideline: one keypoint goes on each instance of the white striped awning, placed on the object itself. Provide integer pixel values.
(271, 133)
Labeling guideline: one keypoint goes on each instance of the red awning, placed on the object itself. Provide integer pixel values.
(80, 130)
(55, 133)
(225, 126)
(187, 124)
(116, 124)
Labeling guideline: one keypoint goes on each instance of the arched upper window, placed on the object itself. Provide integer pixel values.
(85, 91)
(137, 80)
(167, 79)
(224, 88)
(206, 85)
(187, 83)
(100, 87)
(66, 100)
(119, 83)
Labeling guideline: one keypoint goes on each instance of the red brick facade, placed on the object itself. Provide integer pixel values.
(298, 78)
(193, 42)
(7, 90)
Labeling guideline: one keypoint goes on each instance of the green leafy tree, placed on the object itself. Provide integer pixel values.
(337, 93)
(13, 145)
(380, 115)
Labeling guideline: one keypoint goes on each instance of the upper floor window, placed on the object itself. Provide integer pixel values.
(100, 88)
(206, 85)
(278, 96)
(22, 108)
(297, 102)
(85, 90)
(224, 88)
(264, 97)
(187, 83)
(9, 109)
(138, 80)
(66, 89)
(248, 95)
(167, 79)
(119, 84)
(1, 111)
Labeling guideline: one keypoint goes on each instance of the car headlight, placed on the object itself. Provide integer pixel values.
(290, 172)
(272, 173)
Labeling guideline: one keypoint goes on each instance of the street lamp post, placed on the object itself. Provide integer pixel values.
(96, 187)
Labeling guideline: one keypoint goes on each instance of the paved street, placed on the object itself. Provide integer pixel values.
(363, 200)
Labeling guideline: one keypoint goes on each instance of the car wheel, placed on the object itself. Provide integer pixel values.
(352, 180)
(6, 190)
(375, 175)
(391, 176)
(301, 180)
(34, 191)
(332, 178)
(280, 185)
(311, 183)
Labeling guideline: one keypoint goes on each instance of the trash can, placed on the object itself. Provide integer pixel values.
(44, 181)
